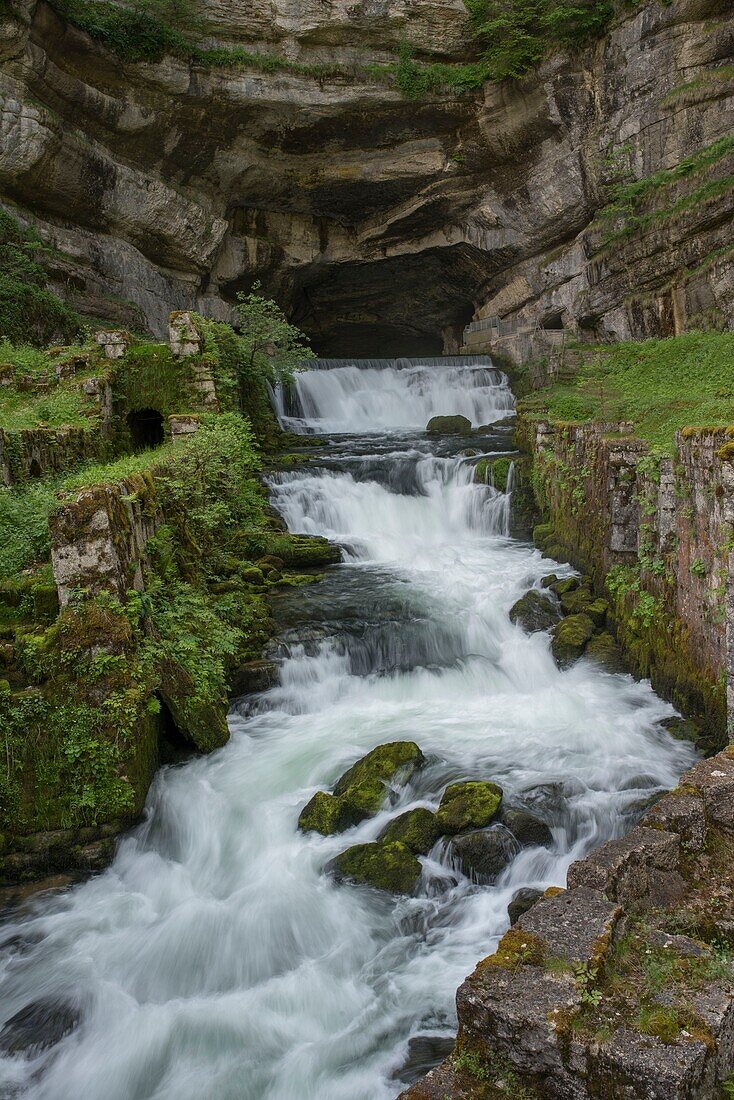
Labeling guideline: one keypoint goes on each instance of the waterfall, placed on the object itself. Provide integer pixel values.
(217, 959)
(386, 395)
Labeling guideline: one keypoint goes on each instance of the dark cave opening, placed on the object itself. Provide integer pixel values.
(146, 428)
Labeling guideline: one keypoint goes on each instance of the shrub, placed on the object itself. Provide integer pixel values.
(29, 313)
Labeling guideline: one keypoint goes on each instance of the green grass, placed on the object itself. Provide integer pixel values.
(24, 516)
(66, 405)
(662, 386)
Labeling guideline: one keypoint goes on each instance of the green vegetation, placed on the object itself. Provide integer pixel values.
(661, 386)
(629, 199)
(24, 534)
(29, 313)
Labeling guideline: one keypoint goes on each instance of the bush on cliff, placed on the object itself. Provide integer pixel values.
(29, 312)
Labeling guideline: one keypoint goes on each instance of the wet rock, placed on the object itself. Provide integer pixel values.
(327, 814)
(361, 790)
(365, 781)
(548, 580)
(469, 805)
(449, 425)
(526, 827)
(424, 1054)
(416, 829)
(570, 638)
(604, 651)
(494, 471)
(683, 729)
(565, 585)
(534, 611)
(522, 902)
(484, 853)
(386, 866)
(37, 1027)
(254, 676)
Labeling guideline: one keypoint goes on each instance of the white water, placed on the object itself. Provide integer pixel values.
(349, 398)
(215, 960)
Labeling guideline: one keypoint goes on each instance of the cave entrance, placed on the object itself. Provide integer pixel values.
(146, 428)
(34, 470)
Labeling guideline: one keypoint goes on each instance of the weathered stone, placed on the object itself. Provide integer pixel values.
(395, 761)
(37, 1027)
(468, 805)
(484, 853)
(416, 829)
(576, 925)
(184, 336)
(643, 1067)
(386, 866)
(113, 344)
(424, 1053)
(534, 611)
(715, 779)
(449, 425)
(640, 868)
(570, 638)
(682, 811)
(326, 814)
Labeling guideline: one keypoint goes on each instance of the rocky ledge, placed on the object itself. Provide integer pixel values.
(622, 986)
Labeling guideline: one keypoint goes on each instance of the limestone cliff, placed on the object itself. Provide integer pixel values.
(175, 184)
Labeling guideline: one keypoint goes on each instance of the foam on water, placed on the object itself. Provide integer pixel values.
(215, 959)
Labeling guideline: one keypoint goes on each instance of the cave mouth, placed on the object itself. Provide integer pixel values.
(146, 428)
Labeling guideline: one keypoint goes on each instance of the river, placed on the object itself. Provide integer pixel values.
(215, 959)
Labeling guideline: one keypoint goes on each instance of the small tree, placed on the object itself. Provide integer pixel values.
(272, 348)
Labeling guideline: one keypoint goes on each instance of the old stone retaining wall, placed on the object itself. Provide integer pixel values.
(657, 532)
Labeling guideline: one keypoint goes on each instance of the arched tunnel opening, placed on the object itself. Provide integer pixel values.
(146, 428)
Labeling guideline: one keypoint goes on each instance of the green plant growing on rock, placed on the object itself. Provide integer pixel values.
(29, 312)
(273, 347)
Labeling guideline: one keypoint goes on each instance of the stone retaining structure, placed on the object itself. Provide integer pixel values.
(543, 1017)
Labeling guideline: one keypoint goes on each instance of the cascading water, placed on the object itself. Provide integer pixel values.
(216, 960)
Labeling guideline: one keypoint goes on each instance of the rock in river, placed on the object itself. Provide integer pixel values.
(468, 805)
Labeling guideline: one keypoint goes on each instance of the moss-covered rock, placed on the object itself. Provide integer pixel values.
(416, 829)
(360, 791)
(534, 611)
(449, 425)
(397, 759)
(494, 471)
(543, 534)
(570, 638)
(565, 585)
(526, 827)
(328, 814)
(604, 650)
(469, 805)
(386, 866)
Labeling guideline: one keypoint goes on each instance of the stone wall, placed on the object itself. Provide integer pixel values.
(98, 540)
(40, 452)
(617, 988)
(666, 525)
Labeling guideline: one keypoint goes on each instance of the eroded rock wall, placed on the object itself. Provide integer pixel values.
(382, 223)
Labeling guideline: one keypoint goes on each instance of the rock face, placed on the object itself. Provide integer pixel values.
(590, 993)
(173, 184)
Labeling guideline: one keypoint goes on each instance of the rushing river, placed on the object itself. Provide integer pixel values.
(215, 960)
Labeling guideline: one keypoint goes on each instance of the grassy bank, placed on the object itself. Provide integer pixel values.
(660, 386)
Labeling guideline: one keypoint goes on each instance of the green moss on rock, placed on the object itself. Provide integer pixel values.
(386, 866)
(604, 650)
(570, 638)
(382, 764)
(328, 814)
(534, 611)
(469, 805)
(449, 425)
(416, 829)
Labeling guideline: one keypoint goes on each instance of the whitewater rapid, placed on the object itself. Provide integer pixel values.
(215, 960)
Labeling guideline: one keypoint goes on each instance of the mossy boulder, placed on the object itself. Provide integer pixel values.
(328, 814)
(360, 791)
(604, 650)
(494, 471)
(570, 638)
(387, 866)
(449, 425)
(397, 760)
(543, 534)
(534, 611)
(469, 805)
(564, 585)
(416, 829)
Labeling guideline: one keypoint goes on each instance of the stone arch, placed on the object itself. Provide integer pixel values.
(146, 428)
